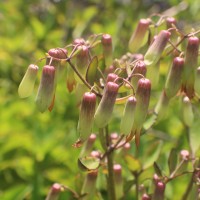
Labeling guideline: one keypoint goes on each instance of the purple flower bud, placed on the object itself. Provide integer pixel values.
(159, 191)
(139, 69)
(118, 180)
(142, 96)
(174, 78)
(188, 115)
(126, 147)
(105, 108)
(82, 61)
(111, 77)
(89, 185)
(54, 192)
(191, 63)
(197, 82)
(46, 88)
(86, 116)
(54, 58)
(138, 35)
(114, 136)
(128, 116)
(58, 53)
(79, 41)
(95, 154)
(146, 197)
(170, 21)
(107, 49)
(27, 84)
(156, 178)
(154, 52)
(185, 155)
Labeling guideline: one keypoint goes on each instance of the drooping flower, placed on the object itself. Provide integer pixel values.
(118, 180)
(155, 50)
(137, 38)
(143, 97)
(190, 66)
(46, 88)
(128, 116)
(174, 78)
(27, 84)
(105, 108)
(107, 49)
(86, 116)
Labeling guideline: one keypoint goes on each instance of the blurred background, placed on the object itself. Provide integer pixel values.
(36, 149)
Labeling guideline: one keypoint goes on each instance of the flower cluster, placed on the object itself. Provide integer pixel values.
(106, 82)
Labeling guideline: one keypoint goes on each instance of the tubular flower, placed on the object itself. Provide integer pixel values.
(128, 116)
(45, 92)
(159, 191)
(190, 66)
(138, 72)
(154, 52)
(173, 82)
(89, 185)
(105, 108)
(142, 96)
(86, 116)
(82, 61)
(118, 181)
(27, 84)
(138, 35)
(107, 49)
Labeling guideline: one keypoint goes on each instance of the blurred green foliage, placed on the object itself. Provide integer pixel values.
(36, 149)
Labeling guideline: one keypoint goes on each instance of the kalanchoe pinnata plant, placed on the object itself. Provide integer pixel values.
(131, 94)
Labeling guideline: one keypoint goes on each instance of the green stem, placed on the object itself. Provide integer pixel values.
(136, 186)
(189, 188)
(110, 178)
(102, 139)
(82, 79)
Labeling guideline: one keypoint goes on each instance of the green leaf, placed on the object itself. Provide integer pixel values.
(17, 192)
(153, 153)
(132, 163)
(172, 160)
(157, 169)
(88, 163)
(92, 71)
